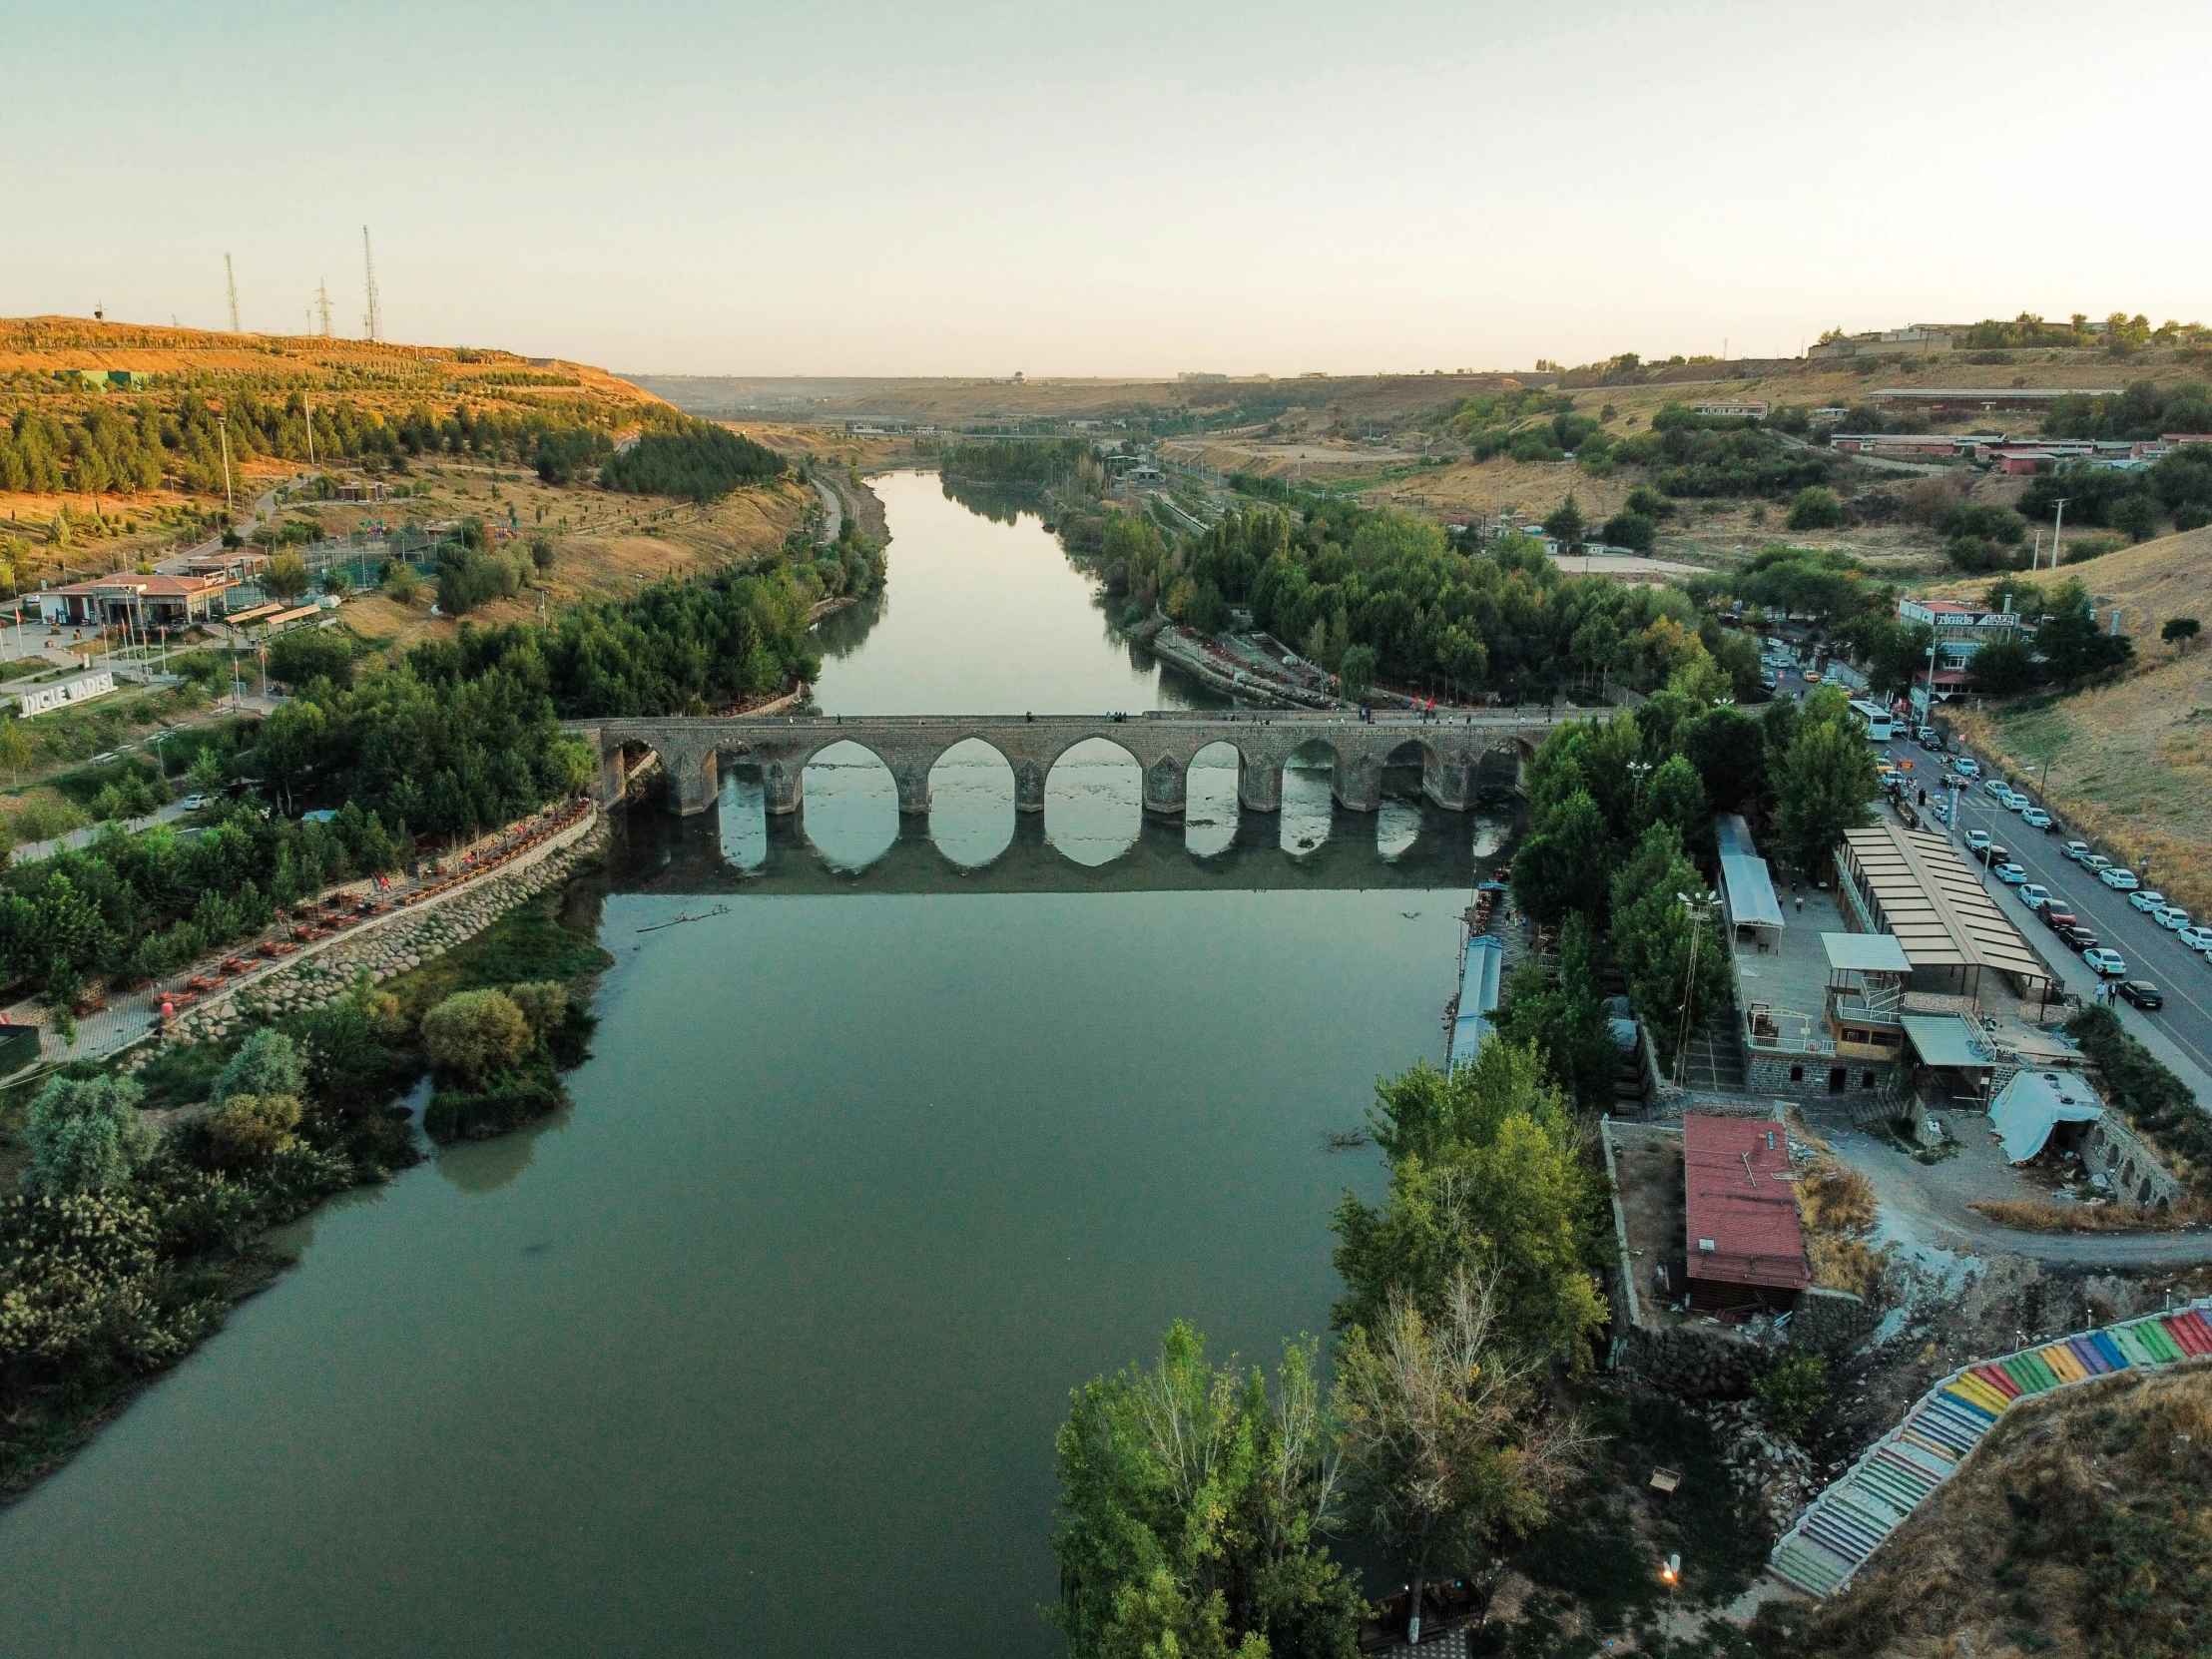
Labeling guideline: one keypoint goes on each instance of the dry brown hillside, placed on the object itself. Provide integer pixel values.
(2130, 762)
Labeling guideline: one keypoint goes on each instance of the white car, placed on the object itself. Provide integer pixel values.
(2033, 893)
(2011, 875)
(2173, 918)
(1938, 810)
(2145, 900)
(192, 802)
(2196, 939)
(2036, 818)
(1965, 768)
(2106, 962)
(2118, 879)
(1998, 790)
(1976, 840)
(2076, 851)
(2097, 862)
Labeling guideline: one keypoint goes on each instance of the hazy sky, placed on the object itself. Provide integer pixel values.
(855, 187)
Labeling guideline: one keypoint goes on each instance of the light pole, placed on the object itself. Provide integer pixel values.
(1671, 1576)
(1697, 908)
(2059, 524)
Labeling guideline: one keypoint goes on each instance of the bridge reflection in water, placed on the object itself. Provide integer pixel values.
(851, 838)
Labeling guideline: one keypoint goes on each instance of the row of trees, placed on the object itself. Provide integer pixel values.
(1195, 1500)
(2178, 487)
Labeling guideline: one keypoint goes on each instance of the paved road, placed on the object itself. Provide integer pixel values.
(2149, 950)
(832, 509)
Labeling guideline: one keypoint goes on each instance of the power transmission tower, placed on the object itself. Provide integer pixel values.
(230, 277)
(372, 325)
(322, 304)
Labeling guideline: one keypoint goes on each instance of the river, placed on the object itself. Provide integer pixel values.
(759, 1348)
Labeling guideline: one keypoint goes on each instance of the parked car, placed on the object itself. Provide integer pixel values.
(2076, 851)
(2146, 901)
(2078, 937)
(2036, 818)
(1939, 811)
(2196, 939)
(1976, 840)
(2142, 993)
(2032, 895)
(2055, 913)
(1930, 738)
(192, 802)
(2097, 862)
(2118, 879)
(2011, 875)
(1967, 767)
(2106, 962)
(1997, 789)
(1994, 856)
(2173, 918)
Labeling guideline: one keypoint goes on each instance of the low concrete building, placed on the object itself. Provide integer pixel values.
(138, 601)
(1744, 1244)
(1960, 630)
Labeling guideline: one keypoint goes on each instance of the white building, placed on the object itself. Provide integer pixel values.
(1960, 630)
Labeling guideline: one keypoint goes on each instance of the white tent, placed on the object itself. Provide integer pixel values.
(2035, 1103)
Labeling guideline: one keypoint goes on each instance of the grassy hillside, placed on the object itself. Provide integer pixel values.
(2079, 1528)
(2131, 760)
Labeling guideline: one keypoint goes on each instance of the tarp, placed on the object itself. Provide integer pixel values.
(2035, 1102)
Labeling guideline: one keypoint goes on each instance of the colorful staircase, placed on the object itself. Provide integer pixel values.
(1848, 1522)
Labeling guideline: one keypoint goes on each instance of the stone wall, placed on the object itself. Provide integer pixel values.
(393, 944)
(2116, 1151)
(1831, 1321)
(1769, 1073)
(1690, 1362)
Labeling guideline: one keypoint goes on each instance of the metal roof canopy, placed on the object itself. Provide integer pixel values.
(1947, 1040)
(1866, 952)
(1740, 1209)
(1923, 892)
(1751, 897)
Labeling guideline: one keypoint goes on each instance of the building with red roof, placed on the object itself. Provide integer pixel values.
(1743, 1239)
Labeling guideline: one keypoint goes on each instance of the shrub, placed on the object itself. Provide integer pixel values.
(1630, 529)
(248, 1130)
(308, 654)
(472, 1034)
(1816, 508)
(543, 1004)
(2137, 515)
(84, 1135)
(269, 1064)
(83, 1286)
(2191, 515)
(1790, 1392)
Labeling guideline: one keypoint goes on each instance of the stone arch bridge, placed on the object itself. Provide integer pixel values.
(1163, 743)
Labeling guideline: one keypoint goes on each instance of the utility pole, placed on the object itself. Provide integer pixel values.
(322, 306)
(223, 427)
(2059, 524)
(372, 325)
(231, 280)
(1697, 908)
(310, 432)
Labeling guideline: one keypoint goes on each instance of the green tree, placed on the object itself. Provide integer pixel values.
(85, 1136)
(2137, 514)
(2071, 640)
(1565, 524)
(1824, 783)
(1559, 870)
(268, 1063)
(1192, 1503)
(206, 775)
(1816, 508)
(1631, 530)
(248, 1130)
(473, 1034)
(2179, 630)
(542, 552)
(1484, 1175)
(2004, 668)
(1792, 1391)
(308, 654)
(1563, 1016)
(1446, 1434)
(1675, 796)
(285, 577)
(1899, 657)
(1356, 674)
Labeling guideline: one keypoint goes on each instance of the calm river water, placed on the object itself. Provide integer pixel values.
(760, 1347)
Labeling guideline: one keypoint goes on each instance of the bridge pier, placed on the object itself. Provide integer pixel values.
(1028, 787)
(1449, 780)
(783, 785)
(1166, 787)
(913, 777)
(1356, 782)
(694, 781)
(1259, 783)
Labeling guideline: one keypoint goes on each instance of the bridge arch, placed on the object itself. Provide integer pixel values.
(851, 804)
(971, 802)
(1094, 800)
(1212, 785)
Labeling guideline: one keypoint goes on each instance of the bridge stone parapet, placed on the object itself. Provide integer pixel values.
(1164, 743)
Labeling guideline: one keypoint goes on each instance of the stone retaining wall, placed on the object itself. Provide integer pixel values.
(393, 944)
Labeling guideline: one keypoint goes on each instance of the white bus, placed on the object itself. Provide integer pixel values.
(1880, 725)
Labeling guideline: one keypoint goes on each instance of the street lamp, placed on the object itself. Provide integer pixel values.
(1671, 1576)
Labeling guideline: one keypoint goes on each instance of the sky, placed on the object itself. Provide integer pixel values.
(929, 188)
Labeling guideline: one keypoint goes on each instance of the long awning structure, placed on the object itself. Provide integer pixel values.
(1914, 885)
(1947, 1040)
(1865, 953)
(1480, 982)
(1751, 897)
